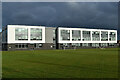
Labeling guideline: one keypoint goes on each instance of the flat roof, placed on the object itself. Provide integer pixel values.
(62, 27)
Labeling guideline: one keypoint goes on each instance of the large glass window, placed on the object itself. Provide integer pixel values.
(65, 35)
(112, 44)
(66, 44)
(95, 35)
(85, 44)
(21, 46)
(86, 36)
(36, 34)
(76, 35)
(104, 36)
(37, 45)
(104, 44)
(112, 36)
(76, 44)
(95, 44)
(21, 34)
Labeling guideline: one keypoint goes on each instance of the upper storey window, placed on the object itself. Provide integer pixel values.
(112, 36)
(95, 35)
(35, 34)
(104, 35)
(21, 34)
(76, 35)
(86, 36)
(65, 35)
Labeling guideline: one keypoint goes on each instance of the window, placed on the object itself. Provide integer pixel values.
(76, 44)
(35, 34)
(65, 35)
(37, 45)
(112, 44)
(66, 44)
(112, 36)
(76, 35)
(86, 36)
(95, 36)
(85, 44)
(16, 46)
(54, 45)
(21, 34)
(21, 45)
(104, 36)
(95, 44)
(104, 44)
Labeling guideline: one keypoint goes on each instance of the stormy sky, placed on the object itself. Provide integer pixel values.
(66, 14)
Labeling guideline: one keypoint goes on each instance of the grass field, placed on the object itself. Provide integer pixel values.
(81, 63)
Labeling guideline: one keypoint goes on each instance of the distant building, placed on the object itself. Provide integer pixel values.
(22, 37)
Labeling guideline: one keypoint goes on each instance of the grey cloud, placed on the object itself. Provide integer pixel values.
(60, 0)
(75, 14)
(0, 16)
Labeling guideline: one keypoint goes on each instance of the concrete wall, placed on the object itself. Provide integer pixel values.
(48, 35)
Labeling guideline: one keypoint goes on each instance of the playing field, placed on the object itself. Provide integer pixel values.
(81, 63)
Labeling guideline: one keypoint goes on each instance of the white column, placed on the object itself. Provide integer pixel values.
(116, 37)
(91, 35)
(108, 35)
(70, 35)
(43, 35)
(100, 36)
(58, 35)
(29, 34)
(81, 36)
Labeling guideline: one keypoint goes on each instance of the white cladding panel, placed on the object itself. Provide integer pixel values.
(82, 29)
(11, 34)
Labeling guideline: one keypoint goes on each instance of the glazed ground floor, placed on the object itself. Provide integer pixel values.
(27, 46)
(85, 45)
(47, 46)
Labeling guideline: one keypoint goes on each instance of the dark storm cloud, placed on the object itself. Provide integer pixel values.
(0, 16)
(74, 14)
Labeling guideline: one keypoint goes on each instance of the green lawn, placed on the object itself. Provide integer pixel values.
(81, 63)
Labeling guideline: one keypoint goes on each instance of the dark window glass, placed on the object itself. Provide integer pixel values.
(86, 36)
(112, 36)
(104, 35)
(76, 35)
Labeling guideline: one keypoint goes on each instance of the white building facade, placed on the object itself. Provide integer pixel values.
(80, 37)
(25, 34)
(22, 37)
